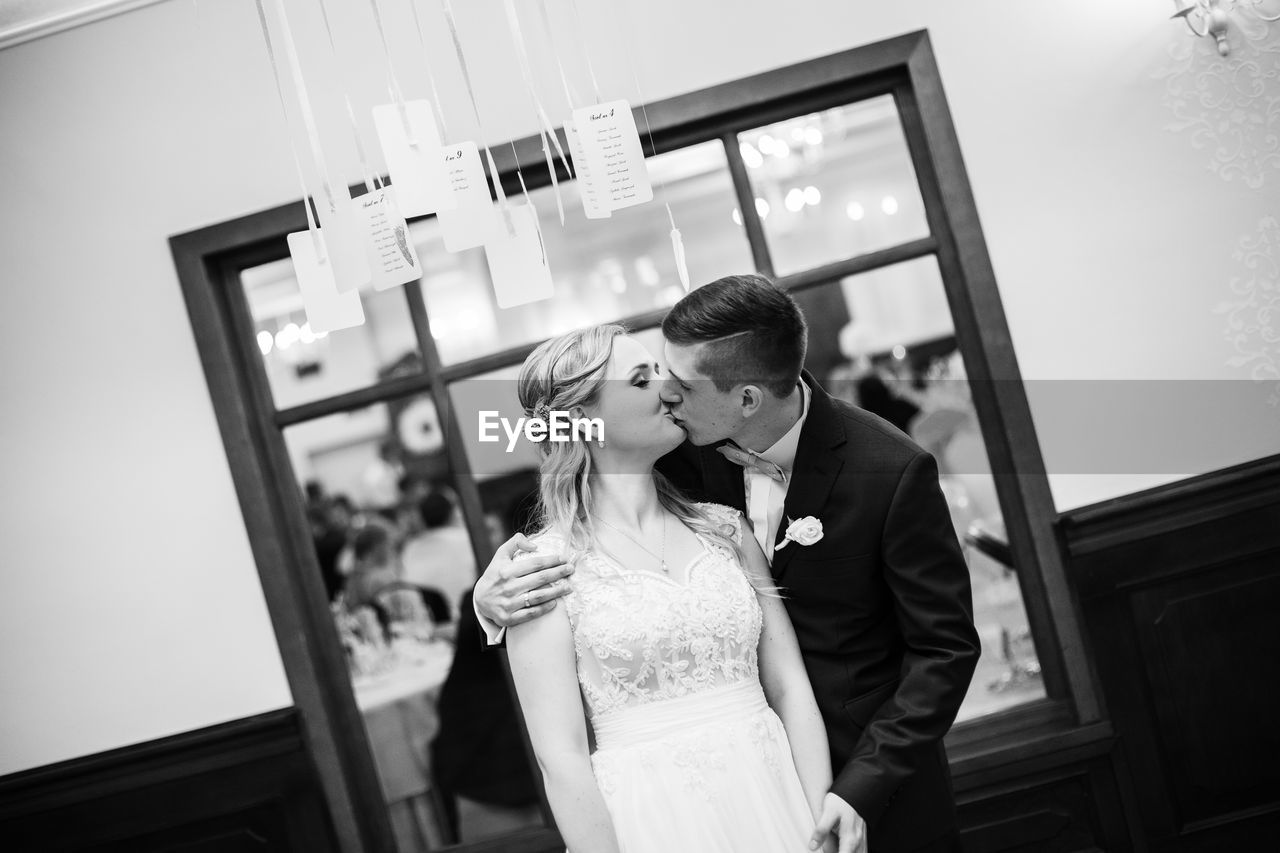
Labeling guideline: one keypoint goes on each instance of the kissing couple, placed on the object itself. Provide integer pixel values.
(748, 596)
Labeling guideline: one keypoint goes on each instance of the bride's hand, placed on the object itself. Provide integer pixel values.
(519, 585)
(840, 818)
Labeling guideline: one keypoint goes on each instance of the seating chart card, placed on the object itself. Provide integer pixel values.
(473, 220)
(345, 243)
(391, 255)
(611, 146)
(414, 159)
(327, 309)
(591, 203)
(518, 264)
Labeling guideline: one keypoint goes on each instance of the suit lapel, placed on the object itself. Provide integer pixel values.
(815, 470)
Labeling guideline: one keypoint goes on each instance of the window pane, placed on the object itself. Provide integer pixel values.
(884, 341)
(397, 561)
(604, 269)
(302, 367)
(834, 185)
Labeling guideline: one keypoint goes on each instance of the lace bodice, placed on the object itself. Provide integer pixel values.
(642, 637)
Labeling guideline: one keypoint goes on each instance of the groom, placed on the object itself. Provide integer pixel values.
(880, 602)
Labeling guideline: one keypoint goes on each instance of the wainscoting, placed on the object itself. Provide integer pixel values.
(245, 786)
(1180, 594)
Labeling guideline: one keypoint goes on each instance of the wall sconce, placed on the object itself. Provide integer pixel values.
(1209, 17)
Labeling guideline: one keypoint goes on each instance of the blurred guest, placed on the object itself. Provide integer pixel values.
(381, 480)
(376, 582)
(878, 398)
(329, 540)
(413, 488)
(440, 557)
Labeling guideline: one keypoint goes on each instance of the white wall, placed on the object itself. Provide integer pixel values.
(134, 607)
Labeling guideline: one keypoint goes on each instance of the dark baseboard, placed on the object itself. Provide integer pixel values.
(247, 785)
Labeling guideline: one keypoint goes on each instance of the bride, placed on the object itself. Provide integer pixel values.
(673, 640)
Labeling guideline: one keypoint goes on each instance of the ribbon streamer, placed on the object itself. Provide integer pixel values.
(547, 133)
(393, 85)
(312, 227)
(475, 109)
(569, 94)
(370, 179)
(304, 102)
(586, 54)
(677, 241)
(431, 78)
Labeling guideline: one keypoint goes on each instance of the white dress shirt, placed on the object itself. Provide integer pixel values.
(765, 496)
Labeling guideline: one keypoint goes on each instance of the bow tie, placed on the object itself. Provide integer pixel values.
(752, 461)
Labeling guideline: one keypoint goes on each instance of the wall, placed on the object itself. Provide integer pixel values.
(134, 606)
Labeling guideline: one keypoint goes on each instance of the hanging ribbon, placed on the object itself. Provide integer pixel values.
(475, 109)
(304, 102)
(586, 54)
(431, 78)
(547, 132)
(569, 94)
(370, 178)
(677, 241)
(393, 85)
(312, 227)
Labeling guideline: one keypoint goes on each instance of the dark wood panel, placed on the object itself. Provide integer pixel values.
(1211, 648)
(1071, 807)
(242, 786)
(1179, 590)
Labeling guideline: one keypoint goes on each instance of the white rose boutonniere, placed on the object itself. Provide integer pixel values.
(804, 531)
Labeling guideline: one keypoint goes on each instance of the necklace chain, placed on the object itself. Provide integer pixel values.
(661, 558)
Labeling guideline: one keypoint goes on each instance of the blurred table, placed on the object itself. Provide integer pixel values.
(400, 716)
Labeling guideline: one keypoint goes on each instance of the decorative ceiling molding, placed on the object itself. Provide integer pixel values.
(24, 20)
(1253, 315)
(1229, 105)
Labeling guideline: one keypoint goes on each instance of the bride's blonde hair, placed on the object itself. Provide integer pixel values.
(564, 374)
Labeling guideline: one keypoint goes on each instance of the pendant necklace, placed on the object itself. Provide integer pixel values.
(661, 558)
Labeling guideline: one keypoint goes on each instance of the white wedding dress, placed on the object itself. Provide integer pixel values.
(689, 757)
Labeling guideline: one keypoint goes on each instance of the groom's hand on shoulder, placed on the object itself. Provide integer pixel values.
(840, 818)
(519, 584)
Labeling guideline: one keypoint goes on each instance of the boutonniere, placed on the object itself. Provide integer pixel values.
(804, 531)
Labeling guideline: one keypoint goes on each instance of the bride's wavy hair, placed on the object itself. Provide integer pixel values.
(564, 374)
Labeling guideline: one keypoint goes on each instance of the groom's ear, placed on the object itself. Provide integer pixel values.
(752, 397)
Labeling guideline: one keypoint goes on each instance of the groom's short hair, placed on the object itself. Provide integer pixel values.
(755, 332)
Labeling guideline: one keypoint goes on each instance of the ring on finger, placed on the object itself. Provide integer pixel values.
(525, 599)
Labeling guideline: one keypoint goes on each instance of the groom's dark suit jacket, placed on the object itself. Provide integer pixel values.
(881, 606)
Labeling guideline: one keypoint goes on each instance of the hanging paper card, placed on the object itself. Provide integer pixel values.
(518, 265)
(413, 157)
(387, 246)
(591, 204)
(327, 309)
(474, 220)
(609, 139)
(344, 242)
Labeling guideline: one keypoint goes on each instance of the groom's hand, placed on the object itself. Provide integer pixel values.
(840, 818)
(518, 585)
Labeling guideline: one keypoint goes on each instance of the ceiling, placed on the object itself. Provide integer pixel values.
(23, 20)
